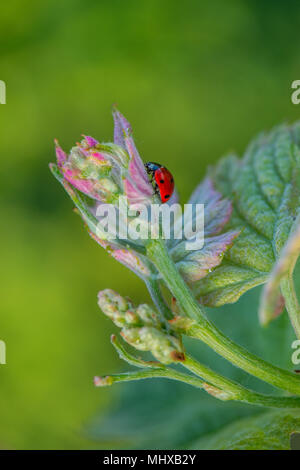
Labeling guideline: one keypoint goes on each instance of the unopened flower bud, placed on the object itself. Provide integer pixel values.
(165, 348)
(114, 306)
(103, 381)
(90, 169)
(114, 176)
(141, 327)
(147, 315)
(106, 185)
(182, 324)
(106, 171)
(132, 318)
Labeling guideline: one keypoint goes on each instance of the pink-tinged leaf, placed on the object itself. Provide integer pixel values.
(84, 185)
(283, 267)
(121, 128)
(213, 248)
(108, 246)
(139, 176)
(279, 306)
(127, 257)
(137, 172)
(60, 154)
(217, 211)
(198, 263)
(133, 154)
(131, 261)
(134, 195)
(99, 156)
(91, 142)
(272, 304)
(216, 216)
(205, 193)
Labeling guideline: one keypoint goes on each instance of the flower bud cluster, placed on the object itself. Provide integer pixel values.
(141, 327)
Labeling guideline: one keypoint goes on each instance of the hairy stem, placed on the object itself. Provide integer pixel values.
(149, 373)
(208, 333)
(157, 297)
(218, 386)
(222, 387)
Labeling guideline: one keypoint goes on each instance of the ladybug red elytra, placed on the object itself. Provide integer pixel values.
(162, 180)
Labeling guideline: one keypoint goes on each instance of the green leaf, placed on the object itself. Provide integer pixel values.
(269, 431)
(264, 188)
(162, 415)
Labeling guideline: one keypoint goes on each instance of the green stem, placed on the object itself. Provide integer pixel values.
(149, 373)
(218, 386)
(231, 390)
(224, 388)
(157, 297)
(291, 302)
(208, 333)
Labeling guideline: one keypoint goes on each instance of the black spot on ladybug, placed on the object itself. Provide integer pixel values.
(167, 196)
(172, 180)
(161, 181)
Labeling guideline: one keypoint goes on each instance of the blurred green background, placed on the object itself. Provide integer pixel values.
(196, 80)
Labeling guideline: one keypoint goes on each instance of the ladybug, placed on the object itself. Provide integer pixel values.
(161, 179)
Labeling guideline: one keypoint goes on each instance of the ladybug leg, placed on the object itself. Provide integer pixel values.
(154, 184)
(156, 190)
(151, 173)
(155, 187)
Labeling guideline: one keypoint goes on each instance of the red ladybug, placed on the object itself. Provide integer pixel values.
(162, 180)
